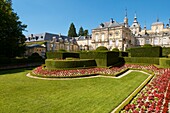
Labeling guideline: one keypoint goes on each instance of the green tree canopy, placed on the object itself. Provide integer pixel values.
(11, 37)
(81, 32)
(86, 32)
(72, 31)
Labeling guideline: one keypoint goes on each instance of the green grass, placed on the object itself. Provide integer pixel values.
(19, 93)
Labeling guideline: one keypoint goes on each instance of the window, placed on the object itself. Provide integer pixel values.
(102, 37)
(117, 43)
(117, 33)
(155, 41)
(96, 38)
(147, 41)
(41, 36)
(165, 41)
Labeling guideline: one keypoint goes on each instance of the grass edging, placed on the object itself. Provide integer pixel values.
(128, 99)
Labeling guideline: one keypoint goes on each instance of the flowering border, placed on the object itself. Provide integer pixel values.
(153, 98)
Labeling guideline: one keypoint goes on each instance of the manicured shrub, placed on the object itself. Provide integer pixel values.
(115, 49)
(52, 64)
(123, 54)
(61, 55)
(147, 45)
(146, 52)
(102, 58)
(35, 57)
(165, 51)
(164, 61)
(147, 60)
(62, 50)
(101, 48)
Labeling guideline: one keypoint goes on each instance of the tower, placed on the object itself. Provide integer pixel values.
(126, 19)
(135, 27)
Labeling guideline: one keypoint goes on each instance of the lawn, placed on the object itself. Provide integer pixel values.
(19, 93)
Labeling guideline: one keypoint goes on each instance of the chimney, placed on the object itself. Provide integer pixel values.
(111, 20)
(167, 25)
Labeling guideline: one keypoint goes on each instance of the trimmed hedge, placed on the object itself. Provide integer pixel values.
(146, 52)
(52, 64)
(101, 48)
(61, 55)
(102, 58)
(123, 54)
(164, 61)
(165, 51)
(147, 60)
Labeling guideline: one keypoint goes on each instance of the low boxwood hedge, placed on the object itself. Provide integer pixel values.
(52, 63)
(164, 62)
(147, 60)
(146, 52)
(61, 55)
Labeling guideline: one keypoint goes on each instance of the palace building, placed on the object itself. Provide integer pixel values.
(120, 35)
(112, 35)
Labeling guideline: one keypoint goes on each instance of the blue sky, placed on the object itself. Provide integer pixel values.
(55, 16)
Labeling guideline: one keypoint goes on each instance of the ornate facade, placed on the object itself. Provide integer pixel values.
(158, 35)
(112, 35)
(122, 36)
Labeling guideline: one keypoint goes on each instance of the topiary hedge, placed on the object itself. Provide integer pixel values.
(165, 51)
(147, 60)
(123, 54)
(35, 57)
(101, 48)
(164, 61)
(61, 55)
(115, 49)
(102, 58)
(52, 64)
(146, 52)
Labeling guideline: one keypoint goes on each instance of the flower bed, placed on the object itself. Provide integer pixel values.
(40, 71)
(154, 98)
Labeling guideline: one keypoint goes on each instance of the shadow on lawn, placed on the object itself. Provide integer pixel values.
(11, 71)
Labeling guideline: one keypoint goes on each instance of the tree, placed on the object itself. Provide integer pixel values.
(81, 32)
(86, 33)
(72, 31)
(12, 39)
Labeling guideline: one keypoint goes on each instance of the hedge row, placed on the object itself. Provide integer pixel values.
(164, 61)
(102, 58)
(165, 51)
(4, 61)
(146, 52)
(52, 64)
(61, 55)
(147, 60)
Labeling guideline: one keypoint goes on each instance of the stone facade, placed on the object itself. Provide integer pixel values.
(112, 35)
(122, 36)
(53, 42)
(158, 35)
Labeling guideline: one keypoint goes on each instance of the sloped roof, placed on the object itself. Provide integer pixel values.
(157, 23)
(110, 24)
(34, 45)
